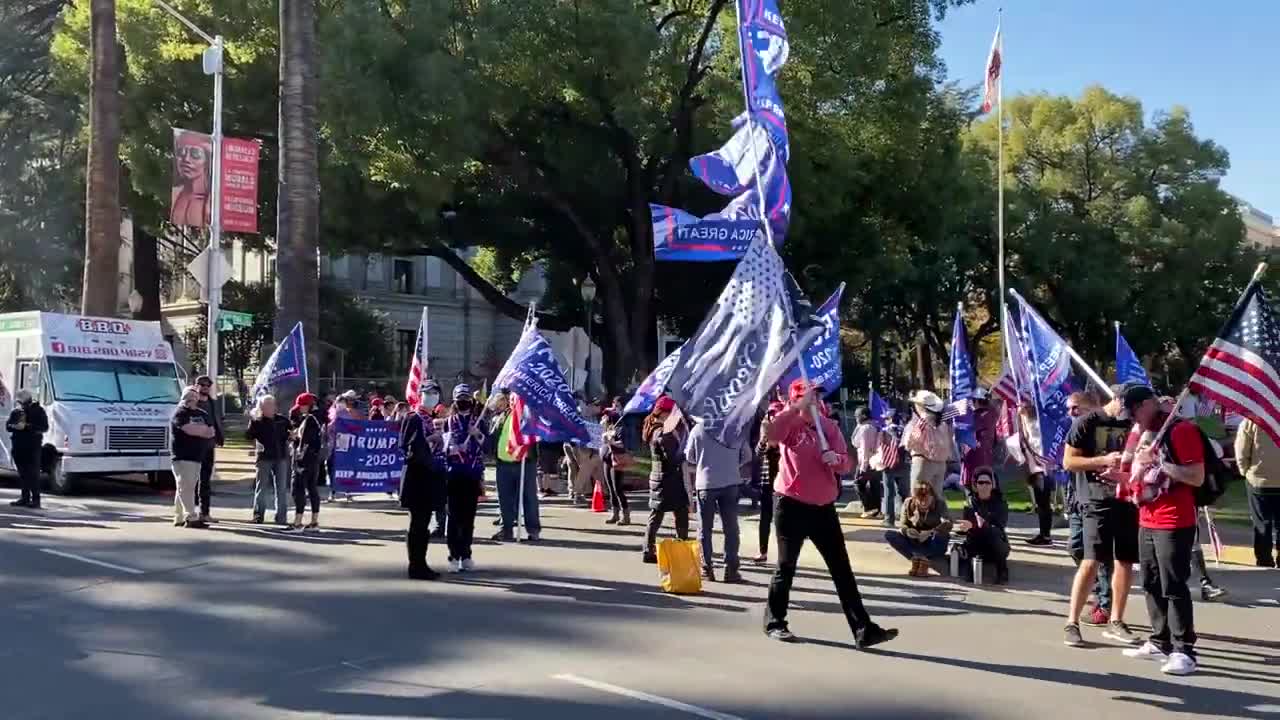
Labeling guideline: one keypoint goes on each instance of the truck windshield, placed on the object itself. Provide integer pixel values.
(113, 381)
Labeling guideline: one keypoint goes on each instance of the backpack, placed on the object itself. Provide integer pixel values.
(1216, 472)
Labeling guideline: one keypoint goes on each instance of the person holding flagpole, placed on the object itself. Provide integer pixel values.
(808, 486)
(517, 465)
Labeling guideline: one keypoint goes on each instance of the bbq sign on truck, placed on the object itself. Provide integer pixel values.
(107, 384)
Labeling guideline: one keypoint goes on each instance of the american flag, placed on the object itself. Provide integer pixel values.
(518, 443)
(1239, 368)
(1006, 388)
(991, 87)
(418, 366)
(889, 449)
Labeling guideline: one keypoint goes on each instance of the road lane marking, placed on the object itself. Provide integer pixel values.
(645, 697)
(91, 561)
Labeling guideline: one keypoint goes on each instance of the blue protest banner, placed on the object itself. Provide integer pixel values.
(288, 361)
(647, 394)
(1050, 382)
(366, 456)
(963, 383)
(533, 373)
(822, 357)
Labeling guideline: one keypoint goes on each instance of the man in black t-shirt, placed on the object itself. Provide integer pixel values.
(1093, 455)
(193, 436)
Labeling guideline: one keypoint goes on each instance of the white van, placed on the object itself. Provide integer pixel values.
(108, 386)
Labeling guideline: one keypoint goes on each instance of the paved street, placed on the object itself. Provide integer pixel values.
(111, 612)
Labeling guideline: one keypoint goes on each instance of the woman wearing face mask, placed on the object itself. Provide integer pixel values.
(430, 408)
(465, 450)
(928, 439)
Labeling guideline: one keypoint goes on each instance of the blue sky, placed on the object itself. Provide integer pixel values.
(1216, 58)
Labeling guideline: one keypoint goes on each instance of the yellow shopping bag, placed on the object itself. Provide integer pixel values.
(678, 566)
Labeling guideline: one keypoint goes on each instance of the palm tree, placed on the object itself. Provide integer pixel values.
(102, 193)
(298, 202)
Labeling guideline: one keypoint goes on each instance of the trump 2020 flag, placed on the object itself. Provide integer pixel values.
(731, 365)
(1050, 366)
(1128, 367)
(647, 394)
(549, 410)
(822, 357)
(288, 361)
(963, 383)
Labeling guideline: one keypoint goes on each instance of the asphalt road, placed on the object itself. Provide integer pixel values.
(110, 612)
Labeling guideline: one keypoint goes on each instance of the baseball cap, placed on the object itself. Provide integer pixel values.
(1133, 396)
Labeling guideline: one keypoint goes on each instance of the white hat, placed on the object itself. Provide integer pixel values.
(348, 395)
(928, 400)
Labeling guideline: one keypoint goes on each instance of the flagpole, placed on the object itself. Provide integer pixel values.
(1000, 163)
(755, 165)
(306, 374)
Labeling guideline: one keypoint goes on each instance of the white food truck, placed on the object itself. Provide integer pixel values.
(108, 386)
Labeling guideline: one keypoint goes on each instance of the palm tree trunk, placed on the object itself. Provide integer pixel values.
(298, 222)
(102, 189)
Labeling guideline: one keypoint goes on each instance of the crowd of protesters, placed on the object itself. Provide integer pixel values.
(1129, 483)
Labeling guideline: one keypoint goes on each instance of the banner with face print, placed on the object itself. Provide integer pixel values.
(192, 178)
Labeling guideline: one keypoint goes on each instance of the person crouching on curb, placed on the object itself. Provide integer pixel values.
(985, 519)
(923, 530)
(308, 438)
(808, 487)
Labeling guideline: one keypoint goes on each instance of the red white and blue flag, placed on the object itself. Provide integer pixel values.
(518, 443)
(991, 78)
(418, 365)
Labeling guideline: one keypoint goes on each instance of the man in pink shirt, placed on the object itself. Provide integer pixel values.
(808, 485)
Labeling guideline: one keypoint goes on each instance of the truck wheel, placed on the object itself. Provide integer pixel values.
(161, 480)
(57, 479)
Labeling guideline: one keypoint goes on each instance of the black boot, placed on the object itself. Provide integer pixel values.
(1002, 572)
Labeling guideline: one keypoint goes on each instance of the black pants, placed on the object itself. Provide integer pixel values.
(1165, 557)
(29, 478)
(655, 522)
(464, 497)
(766, 516)
(617, 495)
(1042, 497)
(1264, 510)
(797, 522)
(988, 544)
(306, 485)
(419, 538)
(870, 488)
(204, 490)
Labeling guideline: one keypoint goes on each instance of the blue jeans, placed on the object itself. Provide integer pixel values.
(931, 549)
(509, 496)
(896, 489)
(272, 480)
(724, 501)
(1102, 585)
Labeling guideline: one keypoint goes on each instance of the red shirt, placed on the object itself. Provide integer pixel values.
(1176, 508)
(804, 476)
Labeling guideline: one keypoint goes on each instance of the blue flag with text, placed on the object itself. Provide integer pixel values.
(822, 358)
(1050, 366)
(550, 410)
(647, 394)
(288, 361)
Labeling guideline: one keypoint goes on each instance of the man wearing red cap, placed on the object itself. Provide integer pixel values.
(808, 485)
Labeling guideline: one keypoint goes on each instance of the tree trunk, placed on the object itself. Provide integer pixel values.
(102, 187)
(146, 274)
(924, 365)
(298, 202)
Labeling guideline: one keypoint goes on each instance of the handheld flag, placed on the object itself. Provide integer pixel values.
(878, 407)
(1241, 369)
(288, 361)
(963, 383)
(991, 78)
(1128, 368)
(822, 357)
(518, 443)
(647, 394)
(731, 365)
(418, 365)
(1050, 365)
(550, 411)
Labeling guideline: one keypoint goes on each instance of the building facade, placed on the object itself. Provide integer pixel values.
(1260, 229)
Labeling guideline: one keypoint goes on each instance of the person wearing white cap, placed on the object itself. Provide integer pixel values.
(929, 441)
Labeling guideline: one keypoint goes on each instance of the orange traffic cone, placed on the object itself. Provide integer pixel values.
(597, 499)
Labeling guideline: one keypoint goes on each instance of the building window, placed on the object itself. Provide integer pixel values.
(406, 340)
(402, 276)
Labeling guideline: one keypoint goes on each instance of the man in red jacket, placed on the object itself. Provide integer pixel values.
(808, 485)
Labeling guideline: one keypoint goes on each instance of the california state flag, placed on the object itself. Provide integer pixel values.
(991, 84)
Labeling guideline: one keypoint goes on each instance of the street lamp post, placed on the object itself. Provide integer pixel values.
(588, 298)
(212, 61)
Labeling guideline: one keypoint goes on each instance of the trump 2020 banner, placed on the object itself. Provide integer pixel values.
(366, 456)
(533, 373)
(822, 358)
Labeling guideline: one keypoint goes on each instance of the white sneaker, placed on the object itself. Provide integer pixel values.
(468, 564)
(1147, 651)
(460, 565)
(1179, 664)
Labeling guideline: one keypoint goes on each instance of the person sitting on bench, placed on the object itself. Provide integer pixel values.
(984, 524)
(923, 529)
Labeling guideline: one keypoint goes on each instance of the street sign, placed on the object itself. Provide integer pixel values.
(199, 269)
(230, 320)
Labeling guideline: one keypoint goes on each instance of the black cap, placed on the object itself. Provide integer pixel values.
(1133, 396)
